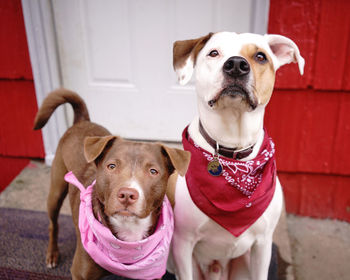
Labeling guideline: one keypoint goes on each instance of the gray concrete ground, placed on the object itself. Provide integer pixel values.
(320, 248)
(316, 249)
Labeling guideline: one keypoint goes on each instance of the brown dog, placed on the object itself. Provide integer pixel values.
(131, 180)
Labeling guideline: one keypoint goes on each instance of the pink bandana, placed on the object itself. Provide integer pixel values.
(145, 259)
(238, 197)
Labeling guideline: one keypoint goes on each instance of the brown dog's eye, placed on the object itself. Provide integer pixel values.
(213, 53)
(111, 166)
(153, 171)
(260, 57)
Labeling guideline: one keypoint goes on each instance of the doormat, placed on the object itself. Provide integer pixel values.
(23, 243)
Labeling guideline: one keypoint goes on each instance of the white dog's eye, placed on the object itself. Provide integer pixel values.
(213, 53)
(260, 57)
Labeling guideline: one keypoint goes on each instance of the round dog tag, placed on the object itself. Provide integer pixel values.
(214, 167)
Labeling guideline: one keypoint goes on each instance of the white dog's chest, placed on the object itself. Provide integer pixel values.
(217, 243)
(213, 242)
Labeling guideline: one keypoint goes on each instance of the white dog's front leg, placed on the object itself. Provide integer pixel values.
(260, 259)
(182, 249)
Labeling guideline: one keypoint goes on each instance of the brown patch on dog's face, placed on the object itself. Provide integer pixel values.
(182, 50)
(262, 67)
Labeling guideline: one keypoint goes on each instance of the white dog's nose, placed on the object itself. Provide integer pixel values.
(236, 66)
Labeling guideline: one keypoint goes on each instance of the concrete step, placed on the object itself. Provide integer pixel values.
(308, 248)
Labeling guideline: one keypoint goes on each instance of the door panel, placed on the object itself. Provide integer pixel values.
(117, 55)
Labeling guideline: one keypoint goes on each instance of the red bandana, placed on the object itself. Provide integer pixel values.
(240, 195)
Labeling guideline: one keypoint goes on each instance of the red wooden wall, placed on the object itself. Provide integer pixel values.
(308, 116)
(18, 106)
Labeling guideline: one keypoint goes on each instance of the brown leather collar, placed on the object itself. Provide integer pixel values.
(222, 150)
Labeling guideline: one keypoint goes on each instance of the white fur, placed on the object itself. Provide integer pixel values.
(140, 203)
(196, 233)
(234, 126)
(184, 73)
(132, 228)
(286, 51)
(197, 237)
(230, 44)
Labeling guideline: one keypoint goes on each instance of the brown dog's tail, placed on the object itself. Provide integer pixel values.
(57, 98)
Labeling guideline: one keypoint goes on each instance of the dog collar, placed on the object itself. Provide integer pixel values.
(240, 194)
(145, 259)
(222, 150)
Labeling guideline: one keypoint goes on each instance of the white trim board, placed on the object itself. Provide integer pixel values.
(40, 29)
(260, 18)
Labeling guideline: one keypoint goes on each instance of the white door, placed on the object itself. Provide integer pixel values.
(117, 54)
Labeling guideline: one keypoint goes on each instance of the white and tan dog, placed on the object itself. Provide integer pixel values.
(234, 78)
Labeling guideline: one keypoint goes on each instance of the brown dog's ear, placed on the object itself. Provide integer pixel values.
(180, 159)
(94, 146)
(185, 55)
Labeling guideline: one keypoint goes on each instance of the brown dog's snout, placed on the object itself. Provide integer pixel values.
(127, 196)
(236, 66)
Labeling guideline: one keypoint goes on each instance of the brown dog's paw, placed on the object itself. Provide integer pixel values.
(52, 259)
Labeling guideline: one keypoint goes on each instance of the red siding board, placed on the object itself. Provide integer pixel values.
(309, 133)
(19, 107)
(298, 20)
(309, 118)
(14, 56)
(333, 40)
(317, 195)
(340, 163)
(281, 120)
(18, 104)
(318, 128)
(292, 191)
(346, 81)
(342, 199)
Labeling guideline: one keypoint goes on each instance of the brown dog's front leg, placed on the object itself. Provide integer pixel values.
(83, 267)
(52, 253)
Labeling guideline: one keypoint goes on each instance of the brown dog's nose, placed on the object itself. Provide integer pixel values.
(127, 196)
(236, 66)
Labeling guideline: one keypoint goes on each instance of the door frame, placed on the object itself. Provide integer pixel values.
(43, 50)
(42, 44)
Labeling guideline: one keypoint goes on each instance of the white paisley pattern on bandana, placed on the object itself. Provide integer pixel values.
(244, 176)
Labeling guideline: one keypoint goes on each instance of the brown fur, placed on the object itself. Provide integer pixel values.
(264, 74)
(56, 98)
(183, 49)
(87, 149)
(170, 191)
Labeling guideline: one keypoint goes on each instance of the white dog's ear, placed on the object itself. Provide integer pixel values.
(185, 55)
(285, 50)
